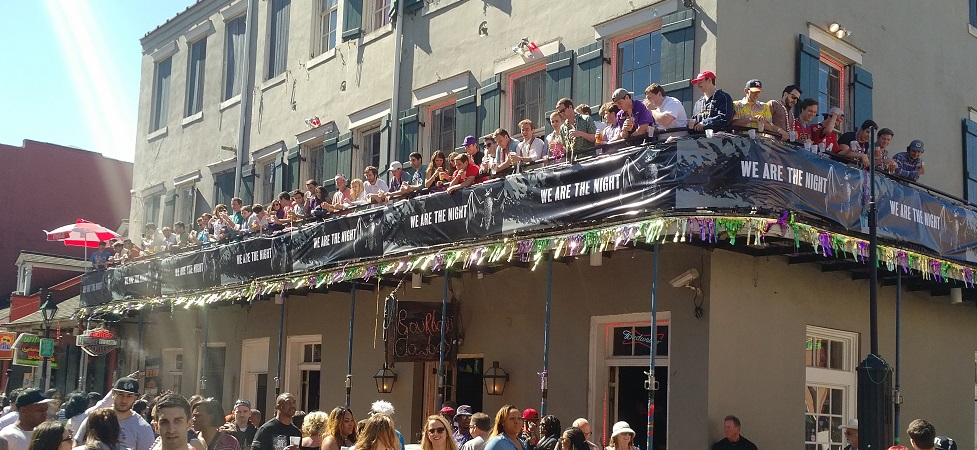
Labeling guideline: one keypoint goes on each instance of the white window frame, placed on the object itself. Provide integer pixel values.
(155, 216)
(429, 129)
(509, 120)
(190, 110)
(172, 374)
(294, 365)
(845, 379)
(161, 95)
(309, 169)
(359, 163)
(262, 177)
(254, 354)
(267, 75)
(239, 68)
(318, 30)
(370, 14)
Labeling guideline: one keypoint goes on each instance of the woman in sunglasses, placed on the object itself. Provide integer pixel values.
(437, 434)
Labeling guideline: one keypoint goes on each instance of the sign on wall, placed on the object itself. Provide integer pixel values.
(415, 332)
(7, 345)
(27, 351)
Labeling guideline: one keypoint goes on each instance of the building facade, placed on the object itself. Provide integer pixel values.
(220, 108)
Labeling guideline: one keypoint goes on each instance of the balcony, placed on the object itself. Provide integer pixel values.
(755, 196)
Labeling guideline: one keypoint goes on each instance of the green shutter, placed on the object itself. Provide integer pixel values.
(293, 170)
(386, 126)
(281, 184)
(409, 135)
(223, 187)
(466, 116)
(862, 93)
(677, 57)
(588, 81)
(169, 208)
(559, 82)
(247, 186)
(489, 113)
(352, 19)
(330, 161)
(808, 66)
(970, 160)
(344, 151)
(411, 6)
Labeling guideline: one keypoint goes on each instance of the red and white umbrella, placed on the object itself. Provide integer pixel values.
(82, 234)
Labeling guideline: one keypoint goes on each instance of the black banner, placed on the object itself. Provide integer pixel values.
(95, 289)
(188, 271)
(135, 280)
(731, 175)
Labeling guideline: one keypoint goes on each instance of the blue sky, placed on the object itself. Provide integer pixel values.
(71, 70)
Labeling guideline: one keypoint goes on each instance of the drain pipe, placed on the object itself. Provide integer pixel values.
(398, 20)
(247, 92)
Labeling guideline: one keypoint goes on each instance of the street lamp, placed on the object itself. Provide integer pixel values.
(48, 310)
(495, 379)
(385, 379)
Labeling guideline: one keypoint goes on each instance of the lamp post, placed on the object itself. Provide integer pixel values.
(48, 310)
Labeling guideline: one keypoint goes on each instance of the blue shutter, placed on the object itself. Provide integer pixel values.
(862, 96)
(973, 12)
(808, 66)
(677, 56)
(466, 116)
(588, 81)
(344, 152)
(330, 161)
(408, 134)
(970, 160)
(410, 6)
(559, 83)
(247, 186)
(489, 113)
(352, 19)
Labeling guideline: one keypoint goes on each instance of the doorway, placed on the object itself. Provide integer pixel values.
(629, 402)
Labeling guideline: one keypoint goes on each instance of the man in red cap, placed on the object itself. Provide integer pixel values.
(530, 426)
(714, 109)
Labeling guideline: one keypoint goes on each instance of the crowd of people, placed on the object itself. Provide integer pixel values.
(575, 134)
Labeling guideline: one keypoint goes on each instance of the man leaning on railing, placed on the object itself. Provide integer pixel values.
(714, 110)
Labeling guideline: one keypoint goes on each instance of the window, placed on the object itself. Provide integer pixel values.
(212, 370)
(152, 207)
(369, 151)
(639, 61)
(234, 57)
(316, 156)
(528, 94)
(443, 127)
(829, 391)
(302, 375)
(224, 187)
(312, 353)
(376, 15)
(173, 369)
(267, 193)
(278, 38)
(195, 77)
(831, 79)
(161, 89)
(325, 32)
(187, 197)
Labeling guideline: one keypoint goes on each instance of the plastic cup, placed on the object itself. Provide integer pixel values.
(807, 146)
(294, 440)
(752, 133)
(854, 146)
(821, 147)
(759, 126)
(792, 136)
(709, 134)
(651, 131)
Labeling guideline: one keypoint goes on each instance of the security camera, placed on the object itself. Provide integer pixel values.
(685, 278)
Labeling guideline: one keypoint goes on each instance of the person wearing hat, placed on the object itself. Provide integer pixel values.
(530, 426)
(824, 132)
(240, 426)
(751, 112)
(463, 417)
(471, 147)
(944, 443)
(634, 117)
(850, 430)
(32, 409)
(714, 109)
(137, 434)
(909, 164)
(396, 171)
(622, 437)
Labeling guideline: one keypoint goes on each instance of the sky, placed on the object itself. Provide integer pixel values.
(70, 69)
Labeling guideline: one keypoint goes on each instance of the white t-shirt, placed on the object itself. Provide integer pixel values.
(674, 108)
(535, 149)
(9, 419)
(375, 188)
(17, 439)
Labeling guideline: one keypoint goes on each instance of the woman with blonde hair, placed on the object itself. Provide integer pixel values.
(357, 194)
(437, 434)
(313, 427)
(378, 434)
(622, 437)
(505, 434)
(340, 429)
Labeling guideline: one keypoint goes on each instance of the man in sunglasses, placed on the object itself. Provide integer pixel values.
(783, 110)
(851, 434)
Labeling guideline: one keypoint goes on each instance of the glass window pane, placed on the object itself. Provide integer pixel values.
(837, 402)
(642, 50)
(810, 428)
(837, 355)
(835, 429)
(626, 55)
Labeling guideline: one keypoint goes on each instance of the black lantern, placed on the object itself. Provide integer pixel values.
(48, 310)
(385, 379)
(495, 379)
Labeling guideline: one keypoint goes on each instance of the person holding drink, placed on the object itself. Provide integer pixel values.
(577, 132)
(633, 116)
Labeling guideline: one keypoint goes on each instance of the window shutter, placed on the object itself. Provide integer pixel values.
(862, 96)
(489, 114)
(559, 82)
(352, 19)
(223, 187)
(677, 60)
(330, 162)
(344, 152)
(411, 6)
(808, 65)
(970, 160)
(247, 186)
(588, 82)
(466, 116)
(409, 136)
(292, 171)
(385, 128)
(169, 208)
(281, 180)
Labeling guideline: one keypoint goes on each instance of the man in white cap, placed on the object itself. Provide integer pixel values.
(850, 430)
(32, 406)
(136, 433)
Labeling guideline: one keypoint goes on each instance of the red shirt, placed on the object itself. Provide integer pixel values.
(820, 135)
(471, 171)
(803, 131)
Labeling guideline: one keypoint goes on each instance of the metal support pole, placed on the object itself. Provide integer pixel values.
(873, 269)
(544, 375)
(83, 369)
(349, 356)
(896, 397)
(45, 381)
(650, 384)
(203, 356)
(281, 337)
(444, 315)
